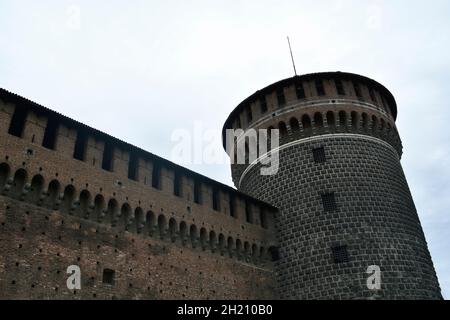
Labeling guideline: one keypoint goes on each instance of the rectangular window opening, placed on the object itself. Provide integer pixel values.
(249, 114)
(107, 161)
(79, 151)
(357, 90)
(372, 95)
(50, 133)
(281, 98)
(177, 184)
(108, 276)
(340, 254)
(329, 202)
(319, 155)
(319, 87)
(197, 192)
(274, 253)
(263, 104)
(18, 122)
(133, 167)
(386, 105)
(156, 176)
(339, 87)
(299, 90)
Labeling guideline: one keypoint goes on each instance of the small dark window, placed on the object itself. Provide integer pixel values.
(372, 95)
(357, 90)
(133, 167)
(232, 205)
(80, 146)
(108, 276)
(329, 202)
(177, 184)
(18, 122)
(238, 122)
(263, 104)
(249, 114)
(50, 134)
(107, 160)
(339, 87)
(248, 212)
(275, 253)
(197, 192)
(340, 254)
(319, 87)
(299, 90)
(216, 199)
(386, 105)
(319, 155)
(281, 97)
(156, 176)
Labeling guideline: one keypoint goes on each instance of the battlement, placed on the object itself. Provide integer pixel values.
(78, 193)
(313, 105)
(308, 89)
(58, 163)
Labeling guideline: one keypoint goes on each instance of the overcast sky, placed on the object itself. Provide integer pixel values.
(139, 70)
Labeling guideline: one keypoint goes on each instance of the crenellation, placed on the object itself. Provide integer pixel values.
(289, 93)
(69, 178)
(65, 142)
(94, 152)
(34, 128)
(271, 100)
(120, 162)
(310, 89)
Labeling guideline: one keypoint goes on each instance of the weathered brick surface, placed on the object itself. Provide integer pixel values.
(56, 211)
(38, 245)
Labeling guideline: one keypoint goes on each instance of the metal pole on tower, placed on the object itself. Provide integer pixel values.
(292, 57)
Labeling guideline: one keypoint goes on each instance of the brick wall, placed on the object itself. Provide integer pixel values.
(38, 245)
(57, 211)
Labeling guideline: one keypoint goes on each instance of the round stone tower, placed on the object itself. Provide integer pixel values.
(344, 202)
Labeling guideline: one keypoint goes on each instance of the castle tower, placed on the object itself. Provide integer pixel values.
(343, 198)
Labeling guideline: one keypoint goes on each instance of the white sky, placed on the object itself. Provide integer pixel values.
(140, 70)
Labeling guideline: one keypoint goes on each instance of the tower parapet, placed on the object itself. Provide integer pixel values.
(318, 104)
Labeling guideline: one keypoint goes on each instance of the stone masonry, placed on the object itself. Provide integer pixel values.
(344, 203)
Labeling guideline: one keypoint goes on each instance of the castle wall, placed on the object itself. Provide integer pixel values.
(38, 245)
(160, 245)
